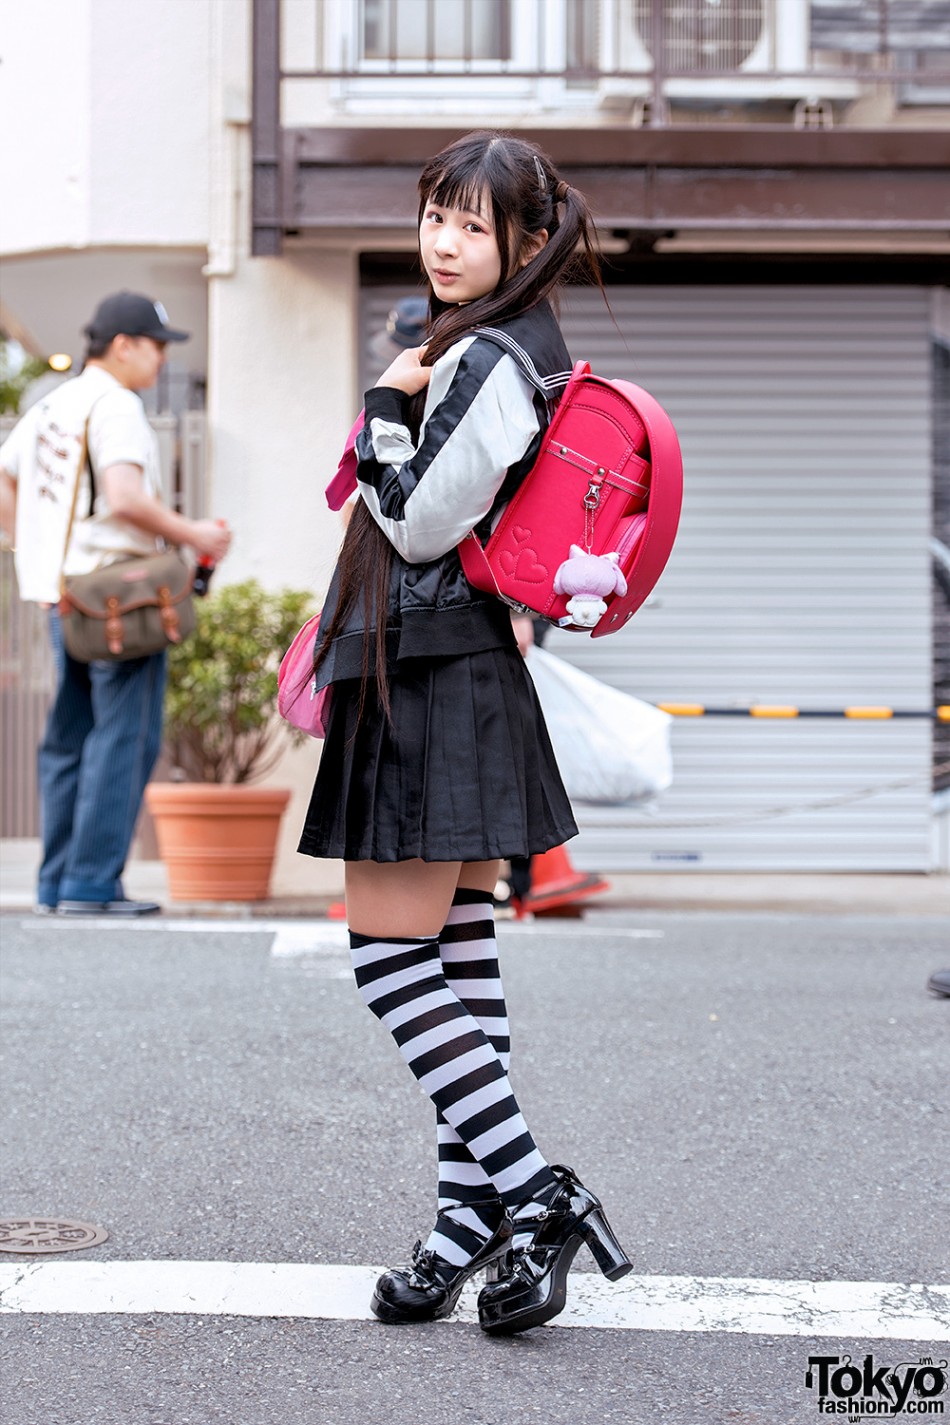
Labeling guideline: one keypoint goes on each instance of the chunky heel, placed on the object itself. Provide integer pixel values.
(605, 1249)
(533, 1287)
(494, 1269)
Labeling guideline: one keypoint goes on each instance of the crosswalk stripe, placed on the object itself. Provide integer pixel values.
(844, 1309)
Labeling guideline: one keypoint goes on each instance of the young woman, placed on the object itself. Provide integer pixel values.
(437, 762)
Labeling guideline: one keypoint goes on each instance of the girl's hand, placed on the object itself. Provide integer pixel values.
(407, 373)
(523, 627)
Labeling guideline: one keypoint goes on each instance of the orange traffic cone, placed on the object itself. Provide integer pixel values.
(556, 887)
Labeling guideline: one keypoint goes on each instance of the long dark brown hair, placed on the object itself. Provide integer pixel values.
(526, 196)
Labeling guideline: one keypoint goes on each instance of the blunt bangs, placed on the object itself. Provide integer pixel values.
(465, 191)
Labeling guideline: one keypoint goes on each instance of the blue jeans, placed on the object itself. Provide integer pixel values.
(101, 742)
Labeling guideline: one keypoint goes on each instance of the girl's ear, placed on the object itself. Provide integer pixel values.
(532, 246)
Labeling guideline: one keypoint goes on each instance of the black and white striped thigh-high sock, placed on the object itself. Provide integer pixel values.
(403, 982)
(469, 954)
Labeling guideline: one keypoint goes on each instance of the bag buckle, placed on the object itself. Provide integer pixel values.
(592, 498)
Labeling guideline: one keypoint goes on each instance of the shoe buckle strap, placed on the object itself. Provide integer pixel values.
(522, 1224)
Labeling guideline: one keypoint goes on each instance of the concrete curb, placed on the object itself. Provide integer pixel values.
(678, 892)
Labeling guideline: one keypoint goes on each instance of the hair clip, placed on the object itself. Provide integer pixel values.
(542, 181)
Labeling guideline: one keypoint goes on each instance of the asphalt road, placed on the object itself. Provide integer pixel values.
(752, 1096)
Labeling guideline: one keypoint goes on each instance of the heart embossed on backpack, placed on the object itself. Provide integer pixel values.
(523, 566)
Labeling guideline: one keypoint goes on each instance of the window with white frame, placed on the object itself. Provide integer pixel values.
(506, 52)
(397, 31)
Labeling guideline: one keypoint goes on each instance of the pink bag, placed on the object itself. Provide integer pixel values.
(295, 676)
(298, 702)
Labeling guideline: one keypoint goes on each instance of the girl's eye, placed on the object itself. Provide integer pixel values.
(433, 217)
(475, 228)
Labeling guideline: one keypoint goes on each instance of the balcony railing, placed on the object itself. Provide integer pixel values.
(585, 43)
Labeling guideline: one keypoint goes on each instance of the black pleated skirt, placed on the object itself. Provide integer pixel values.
(464, 772)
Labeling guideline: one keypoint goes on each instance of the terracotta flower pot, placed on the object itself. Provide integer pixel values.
(217, 842)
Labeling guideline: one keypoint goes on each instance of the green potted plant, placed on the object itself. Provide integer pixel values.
(217, 833)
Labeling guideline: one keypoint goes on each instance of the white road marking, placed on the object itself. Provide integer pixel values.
(574, 928)
(320, 937)
(313, 937)
(846, 1310)
(149, 922)
(289, 937)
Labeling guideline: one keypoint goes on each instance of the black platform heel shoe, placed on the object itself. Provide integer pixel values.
(534, 1289)
(429, 1287)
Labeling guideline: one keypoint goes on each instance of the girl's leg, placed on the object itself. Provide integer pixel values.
(399, 899)
(396, 912)
(468, 1202)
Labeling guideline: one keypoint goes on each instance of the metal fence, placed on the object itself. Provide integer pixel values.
(26, 682)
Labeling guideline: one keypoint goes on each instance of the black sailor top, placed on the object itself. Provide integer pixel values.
(488, 403)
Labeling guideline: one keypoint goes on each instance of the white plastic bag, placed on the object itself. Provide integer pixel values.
(611, 749)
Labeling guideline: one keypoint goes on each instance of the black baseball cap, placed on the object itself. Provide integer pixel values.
(131, 314)
(405, 328)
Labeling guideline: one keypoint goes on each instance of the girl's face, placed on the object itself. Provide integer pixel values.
(459, 253)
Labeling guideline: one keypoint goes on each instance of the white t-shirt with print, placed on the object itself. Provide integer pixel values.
(42, 454)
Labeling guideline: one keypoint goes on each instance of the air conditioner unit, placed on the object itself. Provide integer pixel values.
(713, 49)
(711, 35)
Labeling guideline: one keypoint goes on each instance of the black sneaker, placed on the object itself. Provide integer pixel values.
(123, 908)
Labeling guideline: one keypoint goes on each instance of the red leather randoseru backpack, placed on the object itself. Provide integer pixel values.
(608, 481)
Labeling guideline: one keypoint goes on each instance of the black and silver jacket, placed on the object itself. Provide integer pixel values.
(487, 406)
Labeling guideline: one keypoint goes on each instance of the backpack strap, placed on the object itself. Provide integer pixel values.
(83, 456)
(475, 565)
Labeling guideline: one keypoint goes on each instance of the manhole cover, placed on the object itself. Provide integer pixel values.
(47, 1234)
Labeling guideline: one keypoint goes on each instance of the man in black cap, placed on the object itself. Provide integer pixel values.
(405, 327)
(104, 729)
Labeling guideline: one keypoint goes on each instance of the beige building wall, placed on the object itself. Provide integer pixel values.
(282, 394)
(281, 397)
(44, 100)
(109, 104)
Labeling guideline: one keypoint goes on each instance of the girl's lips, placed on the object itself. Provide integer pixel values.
(445, 276)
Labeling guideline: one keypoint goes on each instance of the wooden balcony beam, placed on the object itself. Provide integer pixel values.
(679, 179)
(693, 145)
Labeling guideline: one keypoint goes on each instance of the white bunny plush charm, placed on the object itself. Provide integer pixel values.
(587, 577)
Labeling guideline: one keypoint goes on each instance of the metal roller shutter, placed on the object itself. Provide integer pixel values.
(800, 575)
